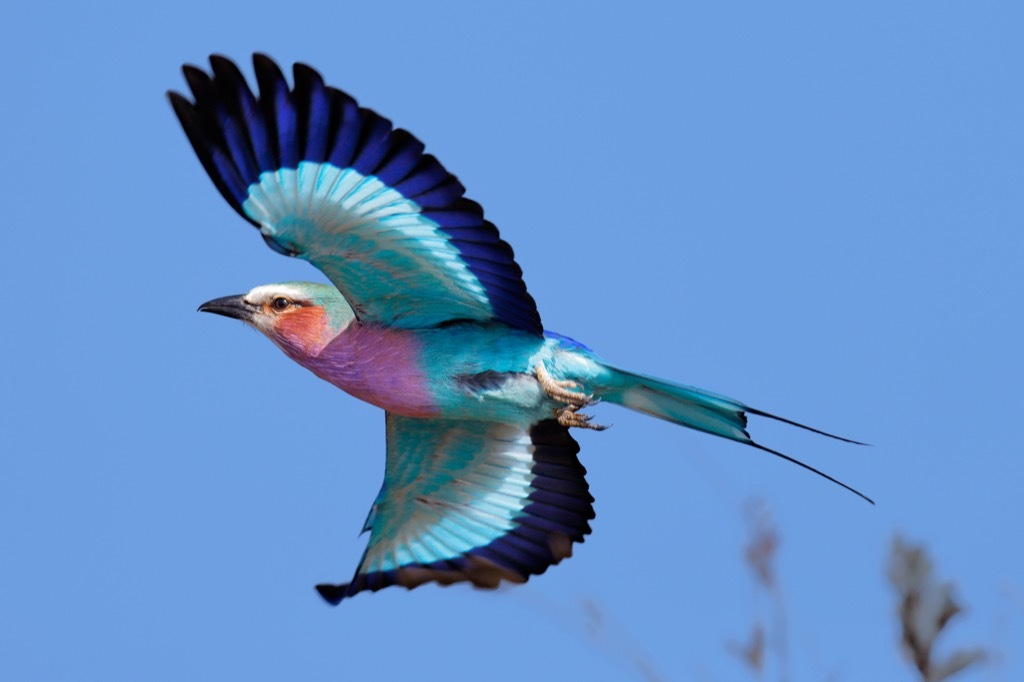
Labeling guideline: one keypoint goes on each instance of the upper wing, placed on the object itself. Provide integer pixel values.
(335, 184)
(471, 500)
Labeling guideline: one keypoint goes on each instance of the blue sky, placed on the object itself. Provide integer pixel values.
(814, 209)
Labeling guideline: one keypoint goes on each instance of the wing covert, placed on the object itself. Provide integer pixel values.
(336, 184)
(471, 501)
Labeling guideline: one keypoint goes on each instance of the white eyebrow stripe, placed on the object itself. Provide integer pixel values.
(266, 292)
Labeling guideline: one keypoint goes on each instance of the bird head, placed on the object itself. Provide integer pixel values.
(300, 317)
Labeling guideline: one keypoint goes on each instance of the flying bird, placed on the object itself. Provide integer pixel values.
(427, 317)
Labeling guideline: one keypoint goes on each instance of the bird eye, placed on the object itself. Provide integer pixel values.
(280, 303)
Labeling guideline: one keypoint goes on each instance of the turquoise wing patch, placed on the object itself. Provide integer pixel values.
(471, 501)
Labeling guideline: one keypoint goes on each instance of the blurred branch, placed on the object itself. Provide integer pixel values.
(926, 607)
(751, 653)
(759, 555)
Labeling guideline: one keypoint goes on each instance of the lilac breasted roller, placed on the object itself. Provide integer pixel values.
(427, 317)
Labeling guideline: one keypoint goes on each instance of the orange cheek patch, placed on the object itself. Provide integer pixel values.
(302, 328)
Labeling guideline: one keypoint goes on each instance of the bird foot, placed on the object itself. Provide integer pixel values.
(569, 417)
(562, 391)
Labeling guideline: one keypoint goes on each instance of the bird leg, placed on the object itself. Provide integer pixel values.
(562, 391)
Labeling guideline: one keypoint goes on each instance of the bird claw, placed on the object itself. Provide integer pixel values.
(569, 417)
(561, 390)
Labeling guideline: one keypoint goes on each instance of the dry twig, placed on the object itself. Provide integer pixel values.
(925, 609)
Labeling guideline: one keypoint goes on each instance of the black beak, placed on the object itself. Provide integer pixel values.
(230, 306)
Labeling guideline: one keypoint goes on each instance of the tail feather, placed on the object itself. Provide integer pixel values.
(698, 409)
(679, 404)
(794, 460)
(769, 415)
